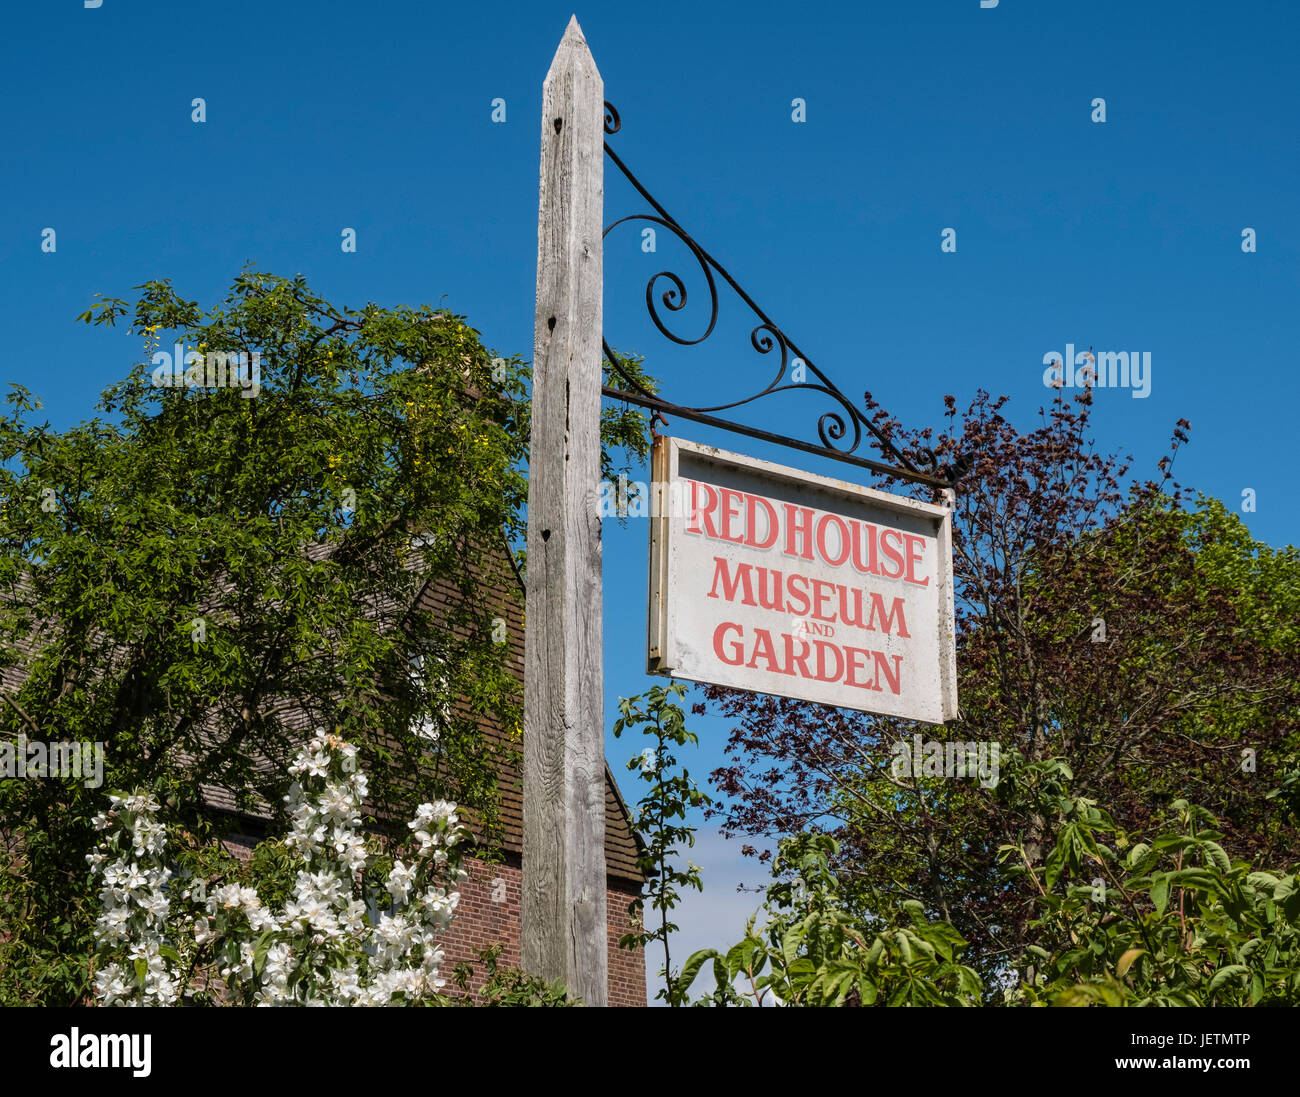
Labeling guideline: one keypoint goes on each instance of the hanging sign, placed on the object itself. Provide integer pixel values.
(774, 580)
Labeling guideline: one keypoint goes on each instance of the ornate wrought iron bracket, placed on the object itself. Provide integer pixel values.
(841, 430)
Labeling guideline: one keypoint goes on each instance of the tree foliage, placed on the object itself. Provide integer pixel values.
(1169, 919)
(661, 818)
(1113, 623)
(811, 951)
(198, 575)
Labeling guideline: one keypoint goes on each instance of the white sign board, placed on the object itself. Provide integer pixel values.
(774, 580)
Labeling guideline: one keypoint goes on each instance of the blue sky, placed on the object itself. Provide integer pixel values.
(921, 116)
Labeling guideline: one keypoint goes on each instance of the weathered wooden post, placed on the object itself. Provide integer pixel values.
(563, 917)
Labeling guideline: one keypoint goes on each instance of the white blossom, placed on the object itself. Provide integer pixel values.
(323, 942)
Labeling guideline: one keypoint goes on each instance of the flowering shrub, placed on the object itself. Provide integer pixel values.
(341, 938)
(135, 908)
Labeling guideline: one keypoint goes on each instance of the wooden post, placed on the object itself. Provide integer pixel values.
(563, 904)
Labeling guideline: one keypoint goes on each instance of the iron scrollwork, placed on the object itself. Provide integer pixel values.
(840, 430)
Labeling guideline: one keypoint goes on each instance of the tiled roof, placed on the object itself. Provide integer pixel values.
(620, 841)
(438, 593)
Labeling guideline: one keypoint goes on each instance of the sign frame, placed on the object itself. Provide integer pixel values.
(662, 649)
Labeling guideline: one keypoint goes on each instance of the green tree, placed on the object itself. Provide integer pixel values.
(182, 573)
(1147, 640)
(811, 950)
(1168, 919)
(1165, 920)
(661, 820)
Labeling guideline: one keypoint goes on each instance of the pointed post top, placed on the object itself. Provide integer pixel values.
(573, 51)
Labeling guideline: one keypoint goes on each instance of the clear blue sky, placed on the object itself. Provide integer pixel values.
(920, 116)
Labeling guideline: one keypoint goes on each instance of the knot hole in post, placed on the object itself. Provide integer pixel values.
(550, 324)
(559, 124)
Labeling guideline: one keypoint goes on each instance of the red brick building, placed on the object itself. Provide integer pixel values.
(489, 911)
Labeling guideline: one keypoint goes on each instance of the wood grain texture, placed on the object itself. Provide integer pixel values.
(563, 917)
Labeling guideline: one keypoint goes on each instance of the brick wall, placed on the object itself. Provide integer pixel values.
(488, 914)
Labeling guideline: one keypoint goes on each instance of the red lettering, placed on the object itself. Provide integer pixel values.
(915, 551)
(697, 514)
(791, 658)
(731, 502)
(895, 553)
(867, 566)
(823, 647)
(894, 679)
(851, 679)
(799, 521)
(887, 620)
(822, 592)
(772, 599)
(843, 530)
(763, 648)
(733, 583)
(791, 594)
(856, 618)
(751, 538)
(738, 649)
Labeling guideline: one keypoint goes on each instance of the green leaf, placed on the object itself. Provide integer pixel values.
(1217, 855)
(739, 955)
(1160, 893)
(1126, 961)
(1142, 858)
(1136, 854)
(1224, 974)
(693, 964)
(1056, 860)
(260, 950)
(793, 941)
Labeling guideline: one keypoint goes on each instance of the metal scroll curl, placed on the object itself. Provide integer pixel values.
(765, 338)
(840, 430)
(674, 298)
